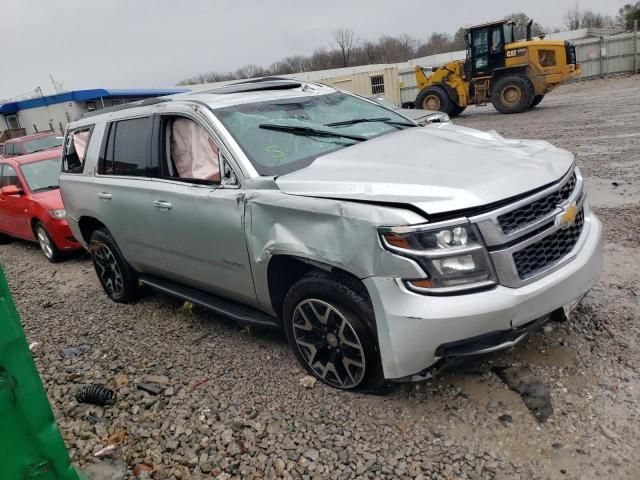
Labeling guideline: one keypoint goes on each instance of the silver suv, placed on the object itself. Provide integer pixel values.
(384, 250)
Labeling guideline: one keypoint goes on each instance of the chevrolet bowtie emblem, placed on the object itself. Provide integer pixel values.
(568, 215)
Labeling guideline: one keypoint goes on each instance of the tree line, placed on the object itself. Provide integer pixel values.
(347, 50)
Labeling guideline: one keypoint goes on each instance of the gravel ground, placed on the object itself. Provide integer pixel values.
(230, 404)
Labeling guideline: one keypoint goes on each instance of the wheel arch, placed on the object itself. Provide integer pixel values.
(284, 270)
(87, 226)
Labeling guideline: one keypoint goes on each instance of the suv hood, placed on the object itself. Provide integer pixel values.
(437, 168)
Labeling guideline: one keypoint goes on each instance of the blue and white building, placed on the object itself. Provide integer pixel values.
(53, 112)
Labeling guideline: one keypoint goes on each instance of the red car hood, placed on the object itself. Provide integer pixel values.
(50, 199)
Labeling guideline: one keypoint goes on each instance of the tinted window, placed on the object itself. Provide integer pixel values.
(105, 163)
(75, 150)
(9, 177)
(129, 147)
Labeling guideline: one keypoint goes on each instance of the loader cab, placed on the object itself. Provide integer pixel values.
(486, 47)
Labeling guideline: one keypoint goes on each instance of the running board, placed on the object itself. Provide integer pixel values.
(227, 308)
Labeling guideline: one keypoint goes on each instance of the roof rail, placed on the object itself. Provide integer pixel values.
(125, 106)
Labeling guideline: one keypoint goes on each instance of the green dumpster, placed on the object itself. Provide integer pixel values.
(31, 446)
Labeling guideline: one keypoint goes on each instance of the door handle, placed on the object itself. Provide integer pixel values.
(162, 205)
(104, 196)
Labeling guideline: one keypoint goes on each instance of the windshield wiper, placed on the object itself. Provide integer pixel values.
(310, 131)
(368, 120)
(50, 187)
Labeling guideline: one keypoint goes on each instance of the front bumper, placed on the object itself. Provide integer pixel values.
(61, 235)
(412, 326)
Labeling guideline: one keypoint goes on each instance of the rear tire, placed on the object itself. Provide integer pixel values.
(118, 279)
(331, 329)
(47, 245)
(434, 98)
(512, 94)
(536, 100)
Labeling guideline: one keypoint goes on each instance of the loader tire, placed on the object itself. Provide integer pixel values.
(512, 94)
(456, 110)
(434, 98)
(536, 100)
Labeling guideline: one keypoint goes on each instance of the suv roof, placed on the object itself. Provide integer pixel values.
(261, 89)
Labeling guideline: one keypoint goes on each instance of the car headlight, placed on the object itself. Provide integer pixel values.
(436, 118)
(450, 253)
(59, 214)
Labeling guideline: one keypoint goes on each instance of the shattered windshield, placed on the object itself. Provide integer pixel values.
(281, 136)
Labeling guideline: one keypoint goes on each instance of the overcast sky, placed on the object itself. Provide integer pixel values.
(156, 43)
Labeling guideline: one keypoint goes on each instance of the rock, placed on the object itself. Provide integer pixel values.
(533, 391)
(308, 381)
(157, 379)
(608, 433)
(120, 380)
(505, 419)
(151, 388)
(280, 466)
(312, 454)
(106, 470)
(74, 352)
(171, 445)
(226, 437)
(233, 449)
(142, 470)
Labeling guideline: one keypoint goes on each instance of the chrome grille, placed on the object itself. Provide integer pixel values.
(523, 216)
(543, 254)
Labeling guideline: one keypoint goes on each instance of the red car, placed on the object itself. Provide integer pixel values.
(31, 144)
(30, 203)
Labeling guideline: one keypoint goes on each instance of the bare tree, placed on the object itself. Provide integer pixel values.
(521, 20)
(346, 41)
(574, 19)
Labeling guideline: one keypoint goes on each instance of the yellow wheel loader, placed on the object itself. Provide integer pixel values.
(513, 75)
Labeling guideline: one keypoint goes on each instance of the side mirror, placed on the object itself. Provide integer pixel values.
(11, 190)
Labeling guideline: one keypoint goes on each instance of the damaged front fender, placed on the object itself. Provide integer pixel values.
(333, 232)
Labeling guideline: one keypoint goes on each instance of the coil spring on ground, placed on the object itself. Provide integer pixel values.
(96, 395)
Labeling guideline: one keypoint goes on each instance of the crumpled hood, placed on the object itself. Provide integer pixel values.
(437, 168)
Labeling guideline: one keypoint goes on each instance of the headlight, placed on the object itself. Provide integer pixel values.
(436, 118)
(450, 253)
(59, 214)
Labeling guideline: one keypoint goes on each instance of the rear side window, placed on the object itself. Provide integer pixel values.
(75, 150)
(126, 150)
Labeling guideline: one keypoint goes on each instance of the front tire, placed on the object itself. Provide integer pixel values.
(330, 327)
(456, 110)
(117, 277)
(4, 239)
(47, 245)
(512, 94)
(434, 98)
(536, 100)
